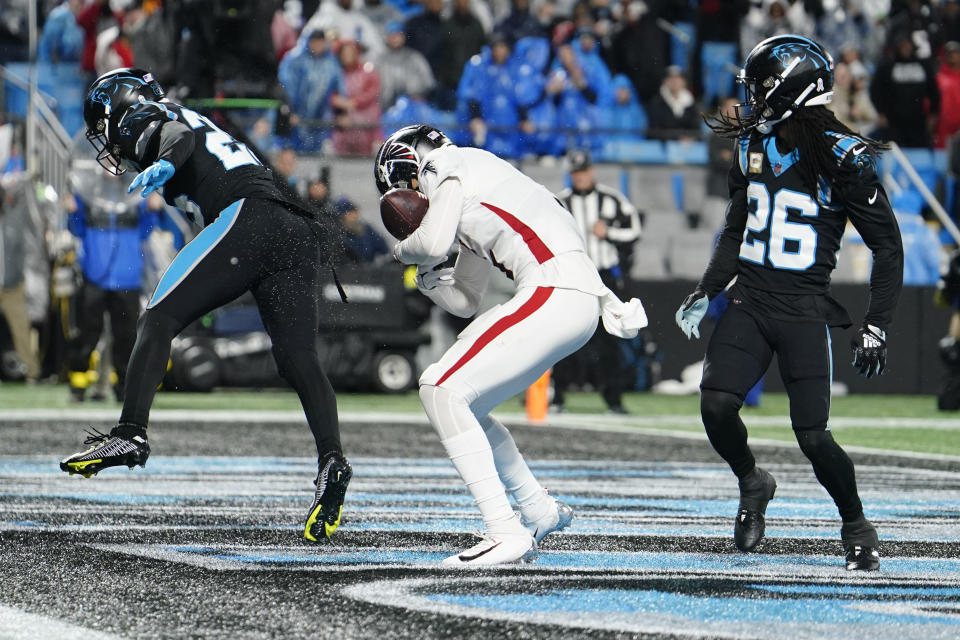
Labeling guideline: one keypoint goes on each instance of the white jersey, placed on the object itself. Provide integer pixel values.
(511, 221)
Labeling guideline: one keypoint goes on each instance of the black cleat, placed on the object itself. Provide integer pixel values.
(124, 445)
(756, 490)
(860, 558)
(860, 545)
(332, 480)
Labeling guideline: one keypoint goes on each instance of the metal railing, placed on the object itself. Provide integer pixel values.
(928, 196)
(47, 151)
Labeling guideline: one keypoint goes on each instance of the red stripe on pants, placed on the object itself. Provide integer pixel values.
(536, 301)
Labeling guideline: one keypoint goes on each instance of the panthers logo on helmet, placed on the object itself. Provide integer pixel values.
(790, 51)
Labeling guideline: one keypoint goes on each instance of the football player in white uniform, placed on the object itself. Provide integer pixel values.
(495, 216)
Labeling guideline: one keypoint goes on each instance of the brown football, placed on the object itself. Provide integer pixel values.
(402, 211)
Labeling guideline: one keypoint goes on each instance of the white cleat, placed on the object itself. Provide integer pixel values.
(556, 519)
(495, 549)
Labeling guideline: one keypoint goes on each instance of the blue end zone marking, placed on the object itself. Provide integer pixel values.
(698, 609)
(859, 591)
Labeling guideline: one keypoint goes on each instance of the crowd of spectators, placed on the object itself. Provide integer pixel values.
(515, 76)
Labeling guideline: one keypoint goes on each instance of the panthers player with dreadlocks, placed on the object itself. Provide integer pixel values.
(798, 175)
(254, 238)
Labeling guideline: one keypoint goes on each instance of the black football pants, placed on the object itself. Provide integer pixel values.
(254, 245)
(739, 352)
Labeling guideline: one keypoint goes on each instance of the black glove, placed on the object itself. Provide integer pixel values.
(869, 351)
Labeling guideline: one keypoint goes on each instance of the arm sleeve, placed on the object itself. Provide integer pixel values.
(149, 133)
(176, 143)
(471, 275)
(871, 214)
(724, 262)
(431, 241)
(626, 225)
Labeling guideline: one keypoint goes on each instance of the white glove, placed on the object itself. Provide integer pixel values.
(429, 280)
(622, 319)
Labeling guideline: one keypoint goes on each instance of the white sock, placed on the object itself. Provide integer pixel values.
(471, 455)
(514, 473)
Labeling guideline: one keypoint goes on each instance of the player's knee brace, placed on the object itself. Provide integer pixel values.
(295, 365)
(719, 409)
(448, 411)
(816, 444)
(156, 326)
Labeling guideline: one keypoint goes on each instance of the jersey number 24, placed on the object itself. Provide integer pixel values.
(229, 152)
(792, 245)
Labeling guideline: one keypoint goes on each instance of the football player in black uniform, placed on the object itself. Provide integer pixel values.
(255, 238)
(797, 177)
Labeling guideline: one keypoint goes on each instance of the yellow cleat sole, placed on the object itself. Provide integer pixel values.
(328, 528)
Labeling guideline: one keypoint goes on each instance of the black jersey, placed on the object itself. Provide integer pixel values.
(781, 240)
(213, 169)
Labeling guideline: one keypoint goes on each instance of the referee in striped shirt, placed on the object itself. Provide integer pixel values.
(610, 226)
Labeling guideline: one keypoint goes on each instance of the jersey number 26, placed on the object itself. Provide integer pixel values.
(232, 154)
(792, 245)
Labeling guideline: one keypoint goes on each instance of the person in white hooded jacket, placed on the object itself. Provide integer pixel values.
(493, 216)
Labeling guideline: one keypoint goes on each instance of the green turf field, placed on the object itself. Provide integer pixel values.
(929, 430)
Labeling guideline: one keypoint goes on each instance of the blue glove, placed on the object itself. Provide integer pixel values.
(153, 177)
(691, 312)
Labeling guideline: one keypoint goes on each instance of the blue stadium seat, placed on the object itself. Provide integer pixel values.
(636, 151)
(61, 81)
(686, 152)
(680, 50)
(719, 59)
(922, 160)
(908, 201)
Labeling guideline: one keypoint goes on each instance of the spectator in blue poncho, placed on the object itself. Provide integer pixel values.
(488, 95)
(577, 82)
(313, 81)
(538, 132)
(62, 38)
(623, 116)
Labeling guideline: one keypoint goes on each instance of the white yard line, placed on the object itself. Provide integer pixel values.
(20, 625)
(555, 420)
(655, 425)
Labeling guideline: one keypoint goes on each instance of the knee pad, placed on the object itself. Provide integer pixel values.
(447, 410)
(154, 325)
(294, 363)
(717, 408)
(815, 443)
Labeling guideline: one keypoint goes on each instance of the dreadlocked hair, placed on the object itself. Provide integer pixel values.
(727, 126)
(804, 131)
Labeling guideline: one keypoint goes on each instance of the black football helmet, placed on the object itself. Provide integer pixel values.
(399, 156)
(783, 74)
(108, 100)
